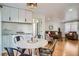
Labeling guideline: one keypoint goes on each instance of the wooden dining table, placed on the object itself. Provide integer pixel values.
(28, 44)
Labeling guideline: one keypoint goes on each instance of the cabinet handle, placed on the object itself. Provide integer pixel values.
(25, 19)
(9, 18)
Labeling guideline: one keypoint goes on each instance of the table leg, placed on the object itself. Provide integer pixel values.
(33, 52)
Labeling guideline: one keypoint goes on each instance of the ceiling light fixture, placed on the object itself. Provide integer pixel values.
(32, 5)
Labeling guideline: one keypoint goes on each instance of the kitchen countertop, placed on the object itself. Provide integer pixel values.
(19, 34)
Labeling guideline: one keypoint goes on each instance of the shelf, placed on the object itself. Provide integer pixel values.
(15, 22)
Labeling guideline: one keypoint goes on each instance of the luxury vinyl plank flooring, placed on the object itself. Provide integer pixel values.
(70, 49)
(66, 48)
(58, 49)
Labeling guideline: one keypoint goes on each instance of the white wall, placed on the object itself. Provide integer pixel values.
(55, 23)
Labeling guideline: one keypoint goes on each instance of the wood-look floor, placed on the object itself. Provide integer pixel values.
(66, 48)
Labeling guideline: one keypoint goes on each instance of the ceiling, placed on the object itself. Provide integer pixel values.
(52, 10)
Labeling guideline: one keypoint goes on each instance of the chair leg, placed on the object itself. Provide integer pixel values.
(51, 54)
(16, 53)
(23, 50)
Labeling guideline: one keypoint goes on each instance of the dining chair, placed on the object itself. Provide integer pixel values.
(10, 52)
(18, 38)
(47, 51)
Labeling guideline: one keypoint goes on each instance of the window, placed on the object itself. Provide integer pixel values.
(72, 26)
(67, 27)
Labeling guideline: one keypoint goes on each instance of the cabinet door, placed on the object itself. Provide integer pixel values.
(7, 41)
(28, 16)
(14, 14)
(25, 16)
(22, 15)
(6, 13)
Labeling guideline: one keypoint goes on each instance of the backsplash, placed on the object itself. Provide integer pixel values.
(13, 28)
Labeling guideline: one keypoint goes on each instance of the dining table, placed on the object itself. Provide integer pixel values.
(29, 44)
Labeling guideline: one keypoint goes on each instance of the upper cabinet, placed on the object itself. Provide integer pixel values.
(22, 16)
(6, 14)
(28, 16)
(25, 16)
(11, 14)
(14, 14)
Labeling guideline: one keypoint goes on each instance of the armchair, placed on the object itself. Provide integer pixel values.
(72, 35)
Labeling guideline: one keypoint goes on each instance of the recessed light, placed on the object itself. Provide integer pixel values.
(70, 9)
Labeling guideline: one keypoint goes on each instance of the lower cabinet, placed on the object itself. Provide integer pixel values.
(6, 41)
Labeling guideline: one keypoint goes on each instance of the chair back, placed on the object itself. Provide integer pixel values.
(18, 38)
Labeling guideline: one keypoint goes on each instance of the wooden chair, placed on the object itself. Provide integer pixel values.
(18, 38)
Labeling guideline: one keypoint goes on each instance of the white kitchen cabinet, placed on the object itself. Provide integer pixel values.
(14, 14)
(22, 15)
(28, 16)
(9, 14)
(5, 41)
(6, 14)
(25, 16)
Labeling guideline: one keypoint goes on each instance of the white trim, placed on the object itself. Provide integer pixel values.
(0, 33)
